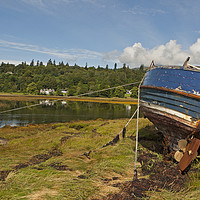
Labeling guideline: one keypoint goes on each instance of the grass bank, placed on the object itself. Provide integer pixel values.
(22, 97)
(46, 161)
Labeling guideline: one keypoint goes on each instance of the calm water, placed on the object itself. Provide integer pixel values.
(61, 111)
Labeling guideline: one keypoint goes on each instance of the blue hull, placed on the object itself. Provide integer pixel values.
(170, 98)
(176, 79)
(174, 101)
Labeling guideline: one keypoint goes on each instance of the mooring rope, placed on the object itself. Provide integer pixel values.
(107, 89)
(137, 130)
(88, 93)
(124, 128)
(115, 140)
(20, 108)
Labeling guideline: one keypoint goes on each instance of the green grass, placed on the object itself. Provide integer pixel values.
(45, 182)
(83, 178)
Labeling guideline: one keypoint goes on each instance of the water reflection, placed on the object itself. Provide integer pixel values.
(60, 111)
(47, 102)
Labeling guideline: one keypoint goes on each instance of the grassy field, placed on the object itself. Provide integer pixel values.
(47, 161)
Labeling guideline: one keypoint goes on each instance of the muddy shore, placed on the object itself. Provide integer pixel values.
(70, 98)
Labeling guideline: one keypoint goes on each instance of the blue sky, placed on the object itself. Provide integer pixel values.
(100, 32)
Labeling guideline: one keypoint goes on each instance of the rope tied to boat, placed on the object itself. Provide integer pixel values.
(116, 139)
(137, 130)
(123, 131)
(88, 93)
(113, 141)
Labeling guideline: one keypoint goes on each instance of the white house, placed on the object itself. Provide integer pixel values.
(9, 72)
(47, 91)
(64, 92)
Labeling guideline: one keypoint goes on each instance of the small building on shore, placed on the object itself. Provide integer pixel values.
(47, 91)
(64, 92)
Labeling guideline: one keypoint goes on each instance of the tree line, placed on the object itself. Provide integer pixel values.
(31, 78)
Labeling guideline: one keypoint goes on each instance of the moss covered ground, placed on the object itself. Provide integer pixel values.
(65, 161)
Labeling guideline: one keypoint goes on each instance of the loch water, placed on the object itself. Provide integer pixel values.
(50, 111)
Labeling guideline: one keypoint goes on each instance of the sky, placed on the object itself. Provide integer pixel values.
(100, 32)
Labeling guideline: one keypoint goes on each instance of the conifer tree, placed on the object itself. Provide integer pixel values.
(32, 63)
(115, 66)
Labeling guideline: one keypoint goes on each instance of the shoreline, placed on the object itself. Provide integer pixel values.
(70, 98)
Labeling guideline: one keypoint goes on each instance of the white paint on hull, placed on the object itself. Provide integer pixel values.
(163, 111)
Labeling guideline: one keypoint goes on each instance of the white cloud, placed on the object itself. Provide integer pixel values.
(71, 55)
(170, 53)
(112, 56)
(49, 6)
(195, 51)
(37, 3)
(42, 5)
(15, 62)
(138, 10)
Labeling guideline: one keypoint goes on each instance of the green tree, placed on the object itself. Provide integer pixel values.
(32, 88)
(115, 66)
(32, 63)
(119, 92)
(124, 66)
(72, 91)
(86, 66)
(134, 92)
(49, 62)
(41, 64)
(82, 88)
(58, 92)
(75, 78)
(106, 93)
(142, 67)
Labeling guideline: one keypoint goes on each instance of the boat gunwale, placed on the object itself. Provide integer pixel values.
(187, 68)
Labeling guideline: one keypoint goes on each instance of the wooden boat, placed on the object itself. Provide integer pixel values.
(170, 98)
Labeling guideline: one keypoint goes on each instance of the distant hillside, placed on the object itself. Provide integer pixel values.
(30, 79)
